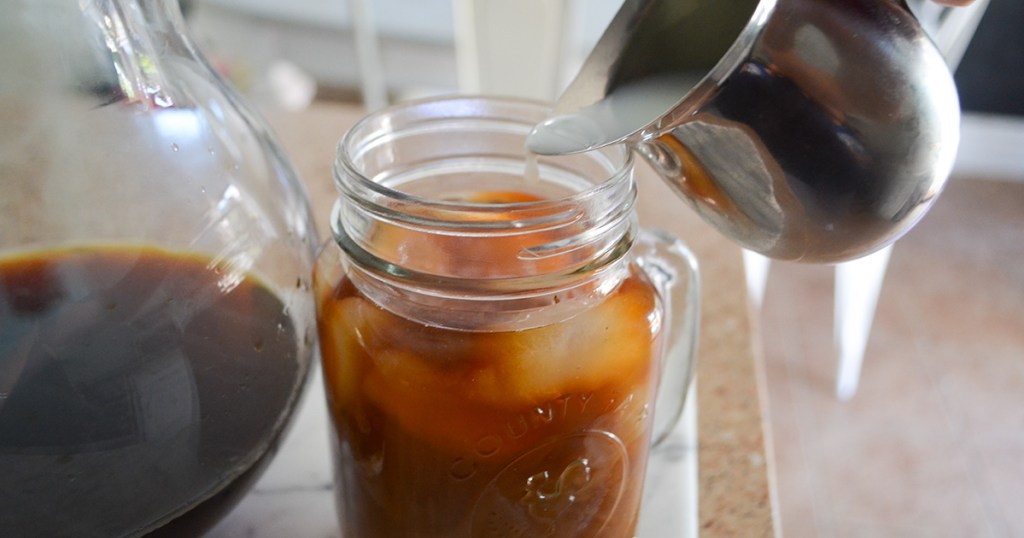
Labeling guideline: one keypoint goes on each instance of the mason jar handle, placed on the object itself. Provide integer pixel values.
(673, 270)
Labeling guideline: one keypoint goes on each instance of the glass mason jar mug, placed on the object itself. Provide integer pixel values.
(492, 329)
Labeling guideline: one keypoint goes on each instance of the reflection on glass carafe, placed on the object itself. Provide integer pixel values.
(155, 315)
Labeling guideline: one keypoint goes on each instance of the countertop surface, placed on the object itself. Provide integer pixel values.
(294, 496)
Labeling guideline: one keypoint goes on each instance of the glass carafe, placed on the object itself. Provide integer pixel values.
(156, 321)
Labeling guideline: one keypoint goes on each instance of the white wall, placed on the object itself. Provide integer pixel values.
(416, 38)
(417, 20)
(991, 146)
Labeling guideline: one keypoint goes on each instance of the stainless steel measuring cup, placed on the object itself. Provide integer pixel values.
(815, 130)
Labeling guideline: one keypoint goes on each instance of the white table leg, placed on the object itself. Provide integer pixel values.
(858, 284)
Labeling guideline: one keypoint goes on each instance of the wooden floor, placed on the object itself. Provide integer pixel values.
(932, 445)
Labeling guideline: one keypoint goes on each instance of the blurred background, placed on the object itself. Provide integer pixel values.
(288, 53)
(932, 444)
(261, 43)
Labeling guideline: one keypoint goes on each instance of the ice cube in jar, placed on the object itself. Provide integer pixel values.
(461, 410)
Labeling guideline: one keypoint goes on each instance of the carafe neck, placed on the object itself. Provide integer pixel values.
(137, 34)
(102, 50)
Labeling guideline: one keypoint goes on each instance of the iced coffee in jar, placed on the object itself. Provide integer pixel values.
(494, 329)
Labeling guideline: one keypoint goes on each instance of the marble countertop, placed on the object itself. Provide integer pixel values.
(712, 475)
